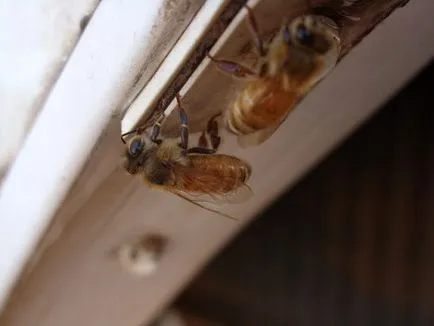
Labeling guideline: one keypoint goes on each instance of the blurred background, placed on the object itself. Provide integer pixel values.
(351, 244)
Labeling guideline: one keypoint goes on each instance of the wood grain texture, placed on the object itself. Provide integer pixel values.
(75, 282)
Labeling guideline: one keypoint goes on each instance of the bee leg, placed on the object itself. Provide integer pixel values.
(156, 130)
(232, 67)
(183, 118)
(212, 129)
(201, 150)
(203, 142)
(202, 147)
(253, 27)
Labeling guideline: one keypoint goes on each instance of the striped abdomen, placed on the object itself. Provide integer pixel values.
(263, 102)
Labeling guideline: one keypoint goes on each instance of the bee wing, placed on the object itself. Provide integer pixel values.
(237, 196)
(206, 201)
(188, 198)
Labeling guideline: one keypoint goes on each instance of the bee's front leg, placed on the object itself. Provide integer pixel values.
(252, 24)
(236, 69)
(233, 68)
(156, 129)
(183, 118)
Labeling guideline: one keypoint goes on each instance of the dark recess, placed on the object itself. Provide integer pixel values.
(350, 244)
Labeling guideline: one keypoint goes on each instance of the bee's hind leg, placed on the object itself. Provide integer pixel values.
(212, 130)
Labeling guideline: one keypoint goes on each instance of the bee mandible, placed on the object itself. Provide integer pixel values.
(296, 59)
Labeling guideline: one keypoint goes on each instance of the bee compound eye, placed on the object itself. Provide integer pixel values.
(303, 34)
(136, 147)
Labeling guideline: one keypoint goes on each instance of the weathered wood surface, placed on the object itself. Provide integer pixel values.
(74, 282)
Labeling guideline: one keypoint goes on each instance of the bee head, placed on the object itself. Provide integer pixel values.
(136, 153)
(310, 32)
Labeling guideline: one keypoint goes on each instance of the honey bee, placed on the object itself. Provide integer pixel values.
(297, 57)
(196, 174)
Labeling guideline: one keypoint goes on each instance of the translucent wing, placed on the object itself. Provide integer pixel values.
(211, 201)
(187, 198)
(212, 180)
(237, 196)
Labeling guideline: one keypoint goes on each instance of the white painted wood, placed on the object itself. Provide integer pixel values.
(36, 38)
(173, 63)
(96, 78)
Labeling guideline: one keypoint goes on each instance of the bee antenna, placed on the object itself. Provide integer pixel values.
(334, 14)
(128, 133)
(206, 208)
(137, 130)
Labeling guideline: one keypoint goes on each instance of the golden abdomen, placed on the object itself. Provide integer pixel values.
(261, 103)
(217, 174)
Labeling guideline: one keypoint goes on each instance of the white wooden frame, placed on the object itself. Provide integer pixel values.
(117, 40)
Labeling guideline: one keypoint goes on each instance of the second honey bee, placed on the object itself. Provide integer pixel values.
(296, 58)
(196, 174)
